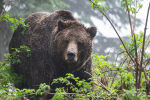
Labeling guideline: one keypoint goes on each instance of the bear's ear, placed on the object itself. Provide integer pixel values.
(92, 31)
(62, 25)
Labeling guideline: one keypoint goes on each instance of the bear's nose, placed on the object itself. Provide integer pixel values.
(71, 55)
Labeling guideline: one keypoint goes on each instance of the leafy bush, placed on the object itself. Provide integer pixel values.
(127, 80)
(108, 82)
(14, 22)
(136, 58)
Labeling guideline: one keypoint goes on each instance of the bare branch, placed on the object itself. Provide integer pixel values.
(133, 35)
(134, 21)
(101, 84)
(142, 53)
(129, 18)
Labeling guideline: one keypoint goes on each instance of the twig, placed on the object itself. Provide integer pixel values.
(129, 18)
(134, 21)
(118, 56)
(147, 62)
(148, 42)
(102, 85)
(142, 53)
(109, 71)
(121, 64)
(113, 79)
(120, 87)
(135, 46)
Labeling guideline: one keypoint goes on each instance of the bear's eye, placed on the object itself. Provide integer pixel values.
(66, 41)
(80, 44)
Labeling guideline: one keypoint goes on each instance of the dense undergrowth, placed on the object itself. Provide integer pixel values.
(109, 81)
(125, 80)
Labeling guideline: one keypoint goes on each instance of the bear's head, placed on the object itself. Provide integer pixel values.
(74, 43)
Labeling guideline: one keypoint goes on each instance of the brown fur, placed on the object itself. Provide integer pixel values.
(46, 36)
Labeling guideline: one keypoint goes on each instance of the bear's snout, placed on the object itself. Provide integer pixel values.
(71, 55)
(71, 52)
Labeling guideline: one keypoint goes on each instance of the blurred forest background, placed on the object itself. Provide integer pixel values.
(81, 9)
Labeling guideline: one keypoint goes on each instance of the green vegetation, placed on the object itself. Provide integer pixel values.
(108, 82)
(134, 51)
(14, 22)
(127, 80)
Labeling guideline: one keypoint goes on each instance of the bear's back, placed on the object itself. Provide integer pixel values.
(41, 26)
(43, 17)
(35, 18)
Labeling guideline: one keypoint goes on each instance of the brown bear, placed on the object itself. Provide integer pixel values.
(59, 44)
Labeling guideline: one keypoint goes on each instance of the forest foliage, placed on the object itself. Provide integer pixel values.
(125, 80)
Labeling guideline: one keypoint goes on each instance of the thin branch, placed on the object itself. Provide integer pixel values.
(118, 56)
(134, 24)
(113, 78)
(132, 31)
(148, 42)
(129, 18)
(109, 71)
(135, 46)
(120, 87)
(134, 21)
(102, 85)
(147, 62)
(142, 53)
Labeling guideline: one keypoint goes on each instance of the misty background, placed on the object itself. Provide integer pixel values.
(106, 41)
